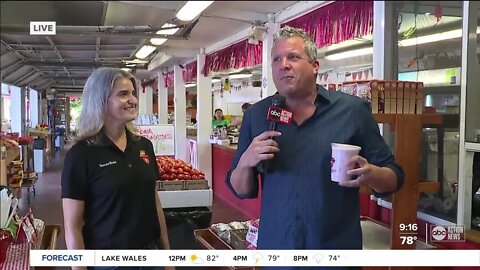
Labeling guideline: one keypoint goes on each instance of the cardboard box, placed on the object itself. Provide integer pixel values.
(381, 96)
(412, 96)
(400, 86)
(374, 85)
(388, 90)
(393, 97)
(196, 184)
(173, 185)
(407, 89)
(419, 101)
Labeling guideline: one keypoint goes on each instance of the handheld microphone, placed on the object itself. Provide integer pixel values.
(276, 114)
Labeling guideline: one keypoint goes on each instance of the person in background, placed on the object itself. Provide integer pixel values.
(109, 176)
(245, 106)
(301, 207)
(219, 120)
(238, 121)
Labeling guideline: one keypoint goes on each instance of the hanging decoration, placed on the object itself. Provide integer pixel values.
(438, 12)
(150, 83)
(365, 73)
(189, 72)
(168, 78)
(226, 85)
(235, 56)
(337, 22)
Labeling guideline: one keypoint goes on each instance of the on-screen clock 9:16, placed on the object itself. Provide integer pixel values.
(410, 227)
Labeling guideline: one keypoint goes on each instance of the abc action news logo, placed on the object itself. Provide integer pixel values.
(280, 115)
(455, 233)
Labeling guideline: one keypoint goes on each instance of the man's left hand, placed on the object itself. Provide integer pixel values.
(364, 172)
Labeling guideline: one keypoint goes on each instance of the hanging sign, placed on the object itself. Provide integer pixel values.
(162, 138)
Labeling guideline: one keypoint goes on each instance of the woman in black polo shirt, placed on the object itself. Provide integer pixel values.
(108, 180)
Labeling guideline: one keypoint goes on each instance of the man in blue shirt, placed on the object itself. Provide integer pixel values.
(301, 207)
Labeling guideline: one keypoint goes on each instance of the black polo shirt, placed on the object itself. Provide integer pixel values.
(118, 189)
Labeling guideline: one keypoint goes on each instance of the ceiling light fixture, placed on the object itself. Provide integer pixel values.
(145, 51)
(192, 9)
(215, 80)
(240, 76)
(160, 41)
(135, 61)
(126, 69)
(190, 85)
(433, 38)
(348, 54)
(403, 43)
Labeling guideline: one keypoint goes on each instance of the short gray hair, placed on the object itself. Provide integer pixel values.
(309, 45)
(94, 100)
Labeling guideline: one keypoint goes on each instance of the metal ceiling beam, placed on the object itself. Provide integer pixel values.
(97, 50)
(19, 80)
(67, 77)
(73, 64)
(30, 79)
(75, 47)
(99, 31)
(9, 69)
(59, 55)
(16, 53)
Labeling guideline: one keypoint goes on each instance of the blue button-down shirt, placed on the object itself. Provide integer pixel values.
(301, 207)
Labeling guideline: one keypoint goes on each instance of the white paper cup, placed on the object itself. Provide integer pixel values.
(341, 154)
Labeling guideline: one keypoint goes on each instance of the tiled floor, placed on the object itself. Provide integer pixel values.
(46, 204)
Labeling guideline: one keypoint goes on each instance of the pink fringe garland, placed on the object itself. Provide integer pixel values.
(189, 72)
(168, 78)
(337, 22)
(238, 55)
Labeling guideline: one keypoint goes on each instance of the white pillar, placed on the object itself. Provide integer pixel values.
(149, 100)
(162, 100)
(204, 119)
(268, 86)
(34, 108)
(180, 101)
(385, 38)
(16, 110)
(142, 100)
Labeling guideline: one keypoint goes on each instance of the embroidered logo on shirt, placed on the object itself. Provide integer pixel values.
(145, 157)
(107, 164)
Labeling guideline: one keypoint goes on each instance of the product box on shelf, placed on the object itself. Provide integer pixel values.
(393, 97)
(419, 98)
(400, 86)
(407, 92)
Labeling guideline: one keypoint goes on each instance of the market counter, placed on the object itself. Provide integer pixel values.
(222, 157)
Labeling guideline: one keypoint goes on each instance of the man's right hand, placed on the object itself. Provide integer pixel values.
(263, 147)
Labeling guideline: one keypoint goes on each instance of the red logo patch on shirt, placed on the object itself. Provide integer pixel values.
(145, 157)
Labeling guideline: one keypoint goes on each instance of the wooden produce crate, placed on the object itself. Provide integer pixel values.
(196, 184)
(173, 185)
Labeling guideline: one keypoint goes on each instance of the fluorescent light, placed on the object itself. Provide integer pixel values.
(145, 51)
(428, 13)
(240, 76)
(160, 41)
(126, 69)
(216, 80)
(192, 9)
(348, 54)
(433, 38)
(136, 61)
(404, 43)
(190, 85)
